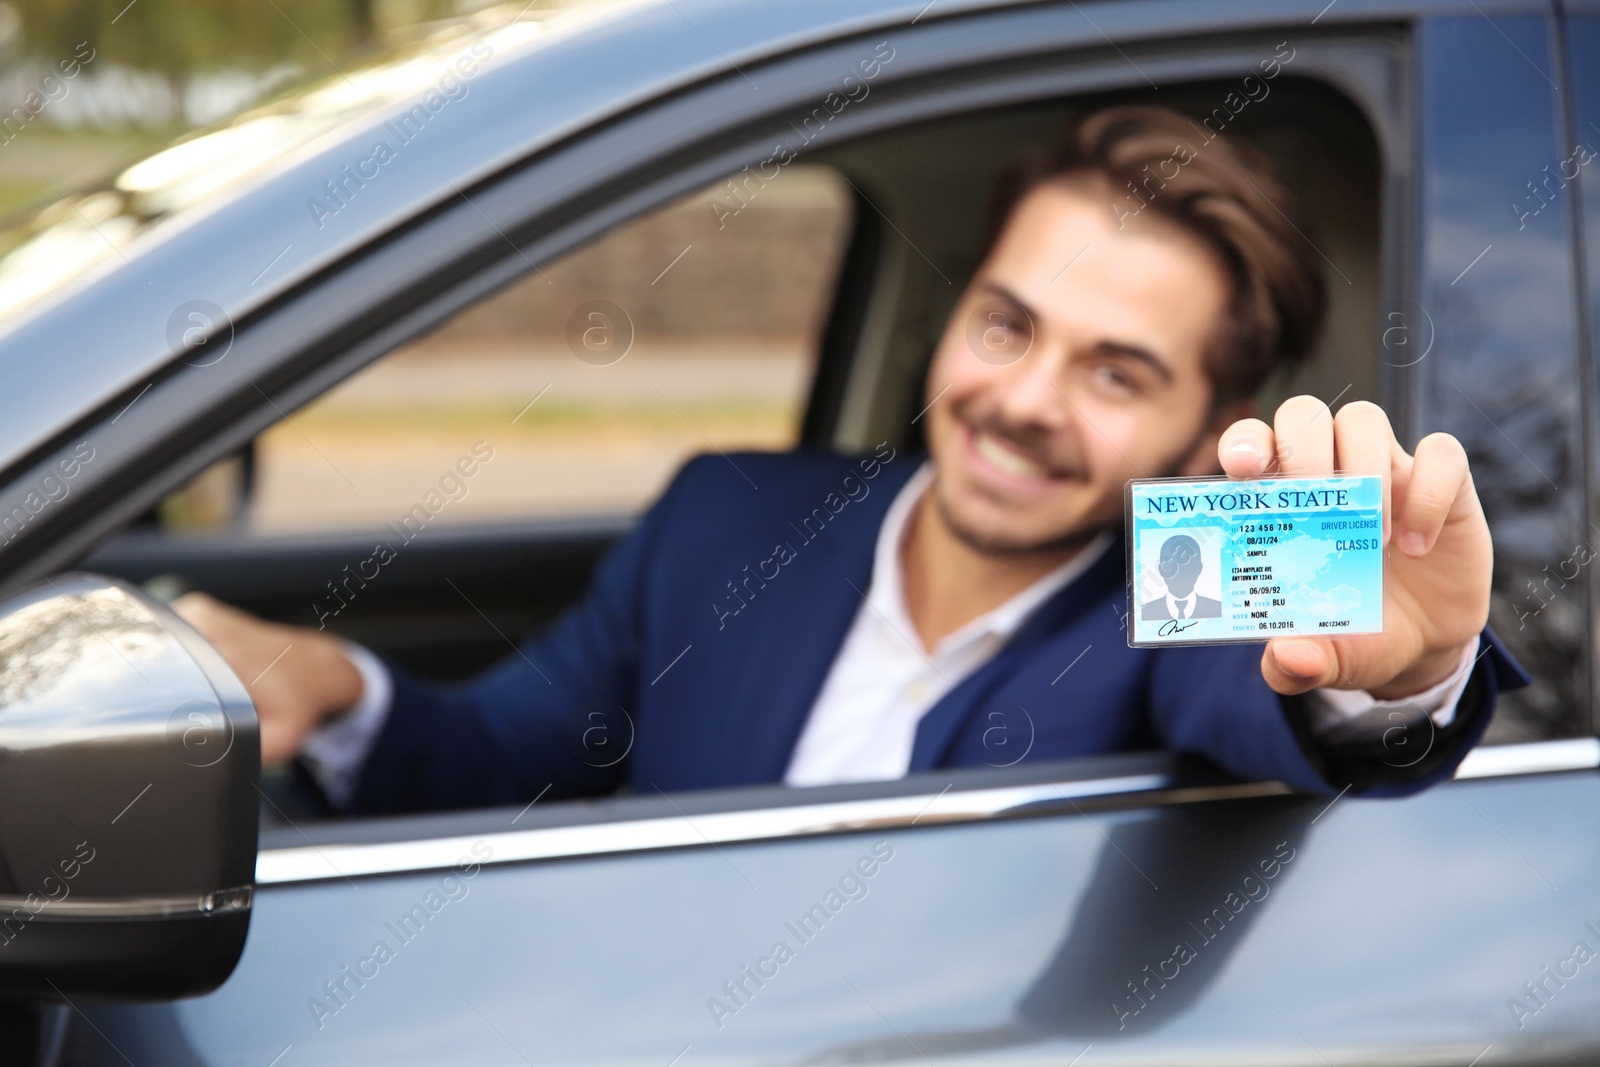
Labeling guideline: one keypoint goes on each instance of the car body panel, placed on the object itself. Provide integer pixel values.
(1380, 940)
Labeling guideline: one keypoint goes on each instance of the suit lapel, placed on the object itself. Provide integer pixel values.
(944, 721)
(805, 627)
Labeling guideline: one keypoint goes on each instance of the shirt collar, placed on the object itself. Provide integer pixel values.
(887, 592)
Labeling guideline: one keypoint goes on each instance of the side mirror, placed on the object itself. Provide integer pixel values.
(129, 756)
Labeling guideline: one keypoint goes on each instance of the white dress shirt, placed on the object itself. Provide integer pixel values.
(336, 750)
(864, 720)
(863, 723)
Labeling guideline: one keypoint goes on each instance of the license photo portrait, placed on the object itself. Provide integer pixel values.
(1180, 575)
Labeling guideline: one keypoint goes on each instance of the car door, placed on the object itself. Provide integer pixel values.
(1131, 909)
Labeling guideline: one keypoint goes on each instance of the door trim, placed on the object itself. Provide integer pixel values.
(602, 836)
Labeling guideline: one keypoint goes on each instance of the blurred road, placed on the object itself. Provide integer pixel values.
(597, 438)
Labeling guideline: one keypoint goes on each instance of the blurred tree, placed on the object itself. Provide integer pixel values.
(178, 38)
(362, 25)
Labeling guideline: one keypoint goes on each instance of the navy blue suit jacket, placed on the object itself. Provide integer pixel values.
(707, 632)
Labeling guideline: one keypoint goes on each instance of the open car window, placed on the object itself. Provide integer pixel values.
(581, 387)
(824, 292)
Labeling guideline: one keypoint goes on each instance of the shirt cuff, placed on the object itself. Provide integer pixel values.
(1335, 706)
(336, 752)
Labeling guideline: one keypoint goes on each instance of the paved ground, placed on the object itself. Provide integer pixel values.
(596, 438)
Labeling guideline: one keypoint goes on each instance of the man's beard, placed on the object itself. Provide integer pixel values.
(1065, 540)
(990, 545)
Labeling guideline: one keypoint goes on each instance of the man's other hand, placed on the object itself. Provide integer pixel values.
(297, 677)
(1438, 558)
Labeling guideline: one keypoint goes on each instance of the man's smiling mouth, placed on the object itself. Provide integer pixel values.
(1004, 457)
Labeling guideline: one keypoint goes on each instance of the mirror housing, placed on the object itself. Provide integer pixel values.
(129, 757)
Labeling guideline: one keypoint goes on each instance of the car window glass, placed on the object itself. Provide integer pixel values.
(1502, 369)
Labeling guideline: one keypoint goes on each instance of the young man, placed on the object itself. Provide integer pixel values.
(810, 618)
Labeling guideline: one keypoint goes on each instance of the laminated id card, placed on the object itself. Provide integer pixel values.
(1217, 560)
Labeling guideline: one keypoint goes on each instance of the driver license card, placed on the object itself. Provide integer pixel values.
(1216, 560)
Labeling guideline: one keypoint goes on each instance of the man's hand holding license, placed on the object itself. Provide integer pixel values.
(1438, 557)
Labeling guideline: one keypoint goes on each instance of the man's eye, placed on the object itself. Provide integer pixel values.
(1115, 378)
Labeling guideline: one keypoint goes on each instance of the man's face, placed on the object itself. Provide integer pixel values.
(1071, 364)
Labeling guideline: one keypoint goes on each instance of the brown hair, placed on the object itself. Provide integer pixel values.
(1220, 189)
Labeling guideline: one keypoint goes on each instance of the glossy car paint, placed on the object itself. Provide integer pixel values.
(129, 755)
(1390, 933)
